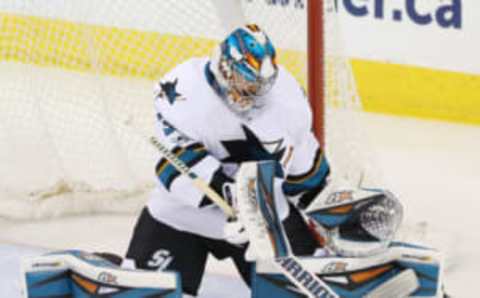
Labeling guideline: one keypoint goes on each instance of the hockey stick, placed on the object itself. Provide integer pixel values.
(199, 183)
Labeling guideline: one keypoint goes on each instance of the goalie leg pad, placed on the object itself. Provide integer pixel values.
(76, 274)
(402, 271)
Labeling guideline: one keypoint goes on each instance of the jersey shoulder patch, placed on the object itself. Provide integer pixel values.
(184, 99)
(175, 86)
(167, 90)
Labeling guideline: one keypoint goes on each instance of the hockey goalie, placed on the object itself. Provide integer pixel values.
(242, 176)
(355, 257)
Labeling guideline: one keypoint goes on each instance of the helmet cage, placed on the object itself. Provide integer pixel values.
(248, 68)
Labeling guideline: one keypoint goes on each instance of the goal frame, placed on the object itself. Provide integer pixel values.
(315, 68)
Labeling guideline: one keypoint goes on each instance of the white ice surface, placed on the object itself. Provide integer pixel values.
(433, 166)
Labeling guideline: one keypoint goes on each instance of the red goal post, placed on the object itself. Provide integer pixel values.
(316, 80)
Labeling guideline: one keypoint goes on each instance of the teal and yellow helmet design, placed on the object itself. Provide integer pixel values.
(245, 67)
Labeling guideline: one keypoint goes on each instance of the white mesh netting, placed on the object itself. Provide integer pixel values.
(76, 80)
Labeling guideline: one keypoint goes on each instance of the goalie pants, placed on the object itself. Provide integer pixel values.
(158, 246)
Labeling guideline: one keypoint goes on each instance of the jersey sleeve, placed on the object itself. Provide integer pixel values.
(195, 155)
(177, 128)
(309, 169)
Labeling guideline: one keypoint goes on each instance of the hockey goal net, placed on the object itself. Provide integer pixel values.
(76, 88)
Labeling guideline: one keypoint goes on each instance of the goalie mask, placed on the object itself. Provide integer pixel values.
(364, 226)
(244, 68)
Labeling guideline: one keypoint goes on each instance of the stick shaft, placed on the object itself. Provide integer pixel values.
(198, 182)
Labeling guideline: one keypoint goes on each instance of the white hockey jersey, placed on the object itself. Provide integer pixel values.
(213, 140)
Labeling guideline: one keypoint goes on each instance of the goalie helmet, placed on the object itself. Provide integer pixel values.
(244, 68)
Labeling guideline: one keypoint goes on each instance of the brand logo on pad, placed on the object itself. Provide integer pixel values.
(339, 197)
(107, 277)
(335, 267)
(47, 264)
(252, 191)
(308, 280)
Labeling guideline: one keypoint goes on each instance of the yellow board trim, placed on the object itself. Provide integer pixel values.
(418, 92)
(89, 48)
(383, 87)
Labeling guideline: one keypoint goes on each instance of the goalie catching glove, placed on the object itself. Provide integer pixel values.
(356, 223)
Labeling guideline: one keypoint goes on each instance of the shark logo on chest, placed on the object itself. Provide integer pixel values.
(253, 149)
